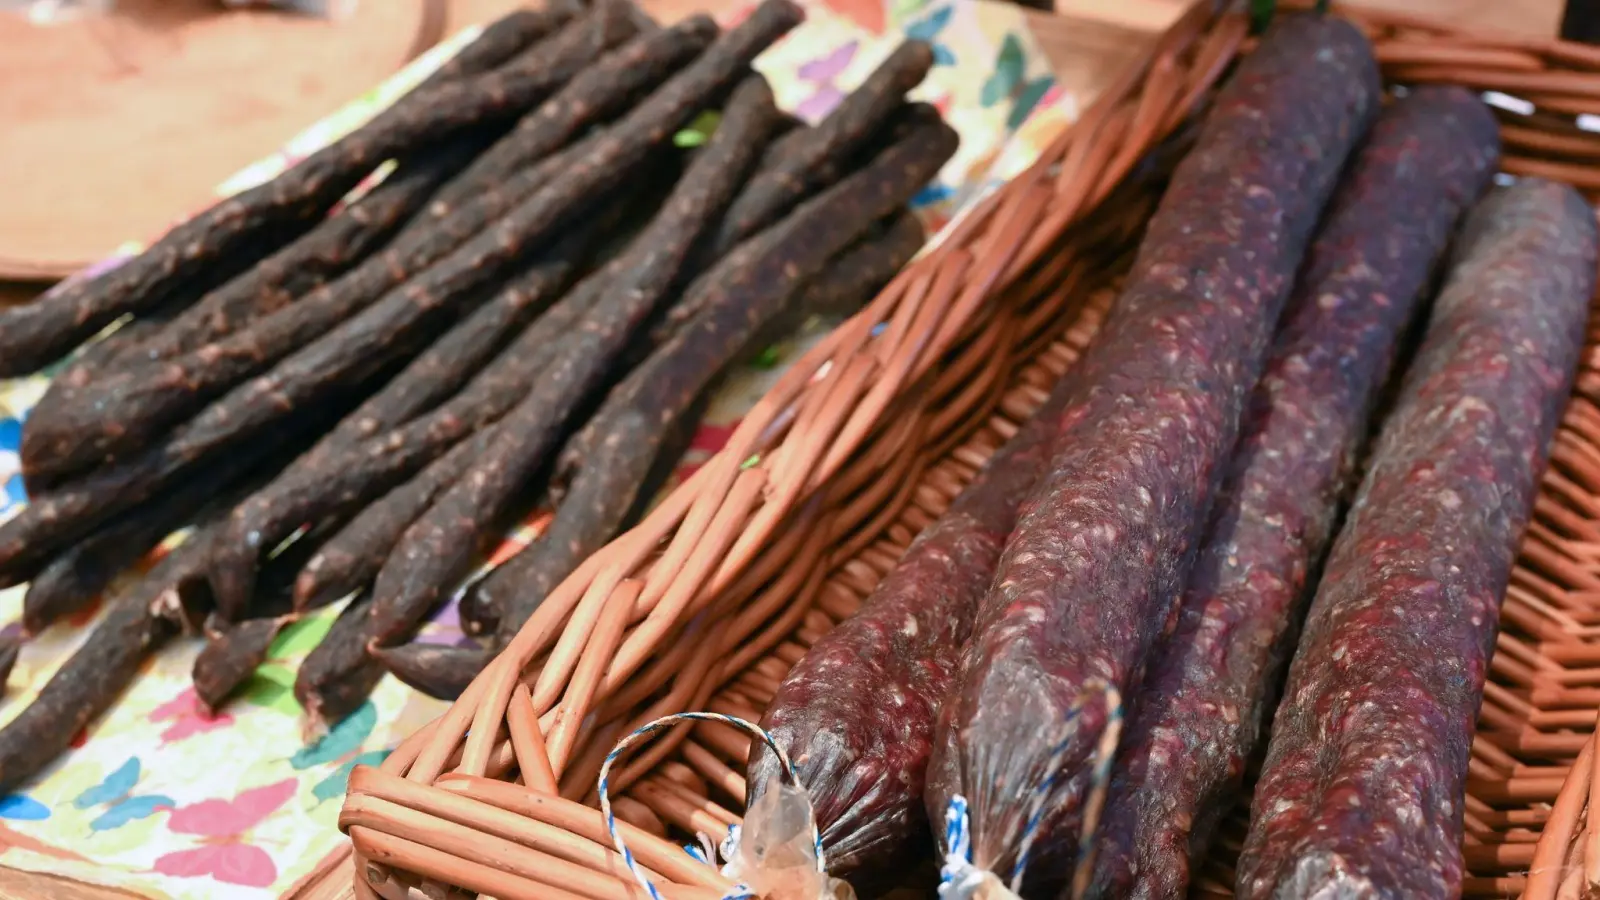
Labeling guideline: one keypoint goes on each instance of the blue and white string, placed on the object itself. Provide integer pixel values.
(960, 878)
(730, 846)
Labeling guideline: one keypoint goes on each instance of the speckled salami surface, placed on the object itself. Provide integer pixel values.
(1362, 791)
(1093, 574)
(856, 714)
(1428, 158)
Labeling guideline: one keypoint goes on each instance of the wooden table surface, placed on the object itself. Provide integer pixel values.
(1088, 42)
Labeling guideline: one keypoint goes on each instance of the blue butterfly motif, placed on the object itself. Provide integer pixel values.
(116, 790)
(1010, 83)
(927, 29)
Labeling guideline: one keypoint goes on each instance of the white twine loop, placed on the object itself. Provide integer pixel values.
(730, 846)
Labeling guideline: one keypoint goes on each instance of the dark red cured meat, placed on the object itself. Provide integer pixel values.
(1429, 156)
(272, 515)
(64, 431)
(10, 649)
(614, 82)
(814, 157)
(34, 335)
(438, 549)
(1095, 570)
(137, 622)
(856, 714)
(1363, 788)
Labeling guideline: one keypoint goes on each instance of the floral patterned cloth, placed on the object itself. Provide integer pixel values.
(160, 799)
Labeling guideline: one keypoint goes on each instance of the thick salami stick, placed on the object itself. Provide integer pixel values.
(815, 157)
(138, 621)
(438, 548)
(856, 714)
(34, 335)
(1200, 710)
(337, 675)
(1094, 571)
(1363, 786)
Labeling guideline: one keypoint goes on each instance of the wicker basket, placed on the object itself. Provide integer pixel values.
(708, 602)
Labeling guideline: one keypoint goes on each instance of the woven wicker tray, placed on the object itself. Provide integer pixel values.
(708, 602)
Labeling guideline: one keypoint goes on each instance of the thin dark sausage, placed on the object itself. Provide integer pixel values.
(1364, 785)
(438, 548)
(1094, 571)
(33, 335)
(1426, 161)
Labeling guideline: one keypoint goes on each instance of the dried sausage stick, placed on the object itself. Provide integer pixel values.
(129, 411)
(812, 157)
(503, 39)
(78, 575)
(234, 650)
(272, 515)
(350, 559)
(337, 675)
(1365, 777)
(1429, 156)
(612, 478)
(35, 334)
(1095, 569)
(758, 281)
(57, 425)
(438, 548)
(857, 713)
(128, 407)
(354, 475)
(598, 92)
(907, 119)
(86, 685)
(616, 153)
(615, 80)
(793, 251)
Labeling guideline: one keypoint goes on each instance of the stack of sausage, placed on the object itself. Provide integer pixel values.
(1068, 672)
(350, 388)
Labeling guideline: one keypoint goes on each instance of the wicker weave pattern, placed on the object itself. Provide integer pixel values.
(708, 602)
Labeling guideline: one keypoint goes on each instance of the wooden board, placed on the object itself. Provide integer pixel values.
(123, 123)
